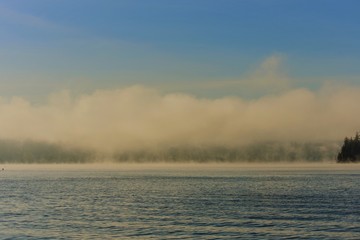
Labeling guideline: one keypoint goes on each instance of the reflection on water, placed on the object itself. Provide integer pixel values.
(177, 203)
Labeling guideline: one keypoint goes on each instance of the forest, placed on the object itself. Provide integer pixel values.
(350, 150)
(252, 153)
(28, 151)
(12, 151)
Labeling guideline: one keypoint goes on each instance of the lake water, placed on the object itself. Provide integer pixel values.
(180, 202)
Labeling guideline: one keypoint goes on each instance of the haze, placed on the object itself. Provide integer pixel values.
(137, 117)
(133, 75)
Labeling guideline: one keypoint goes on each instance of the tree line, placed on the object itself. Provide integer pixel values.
(44, 152)
(12, 151)
(256, 152)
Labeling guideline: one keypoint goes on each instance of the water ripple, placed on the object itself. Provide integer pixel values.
(92, 205)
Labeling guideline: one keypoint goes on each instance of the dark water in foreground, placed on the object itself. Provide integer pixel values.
(179, 203)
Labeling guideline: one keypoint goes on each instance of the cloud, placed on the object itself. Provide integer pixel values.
(139, 117)
(268, 78)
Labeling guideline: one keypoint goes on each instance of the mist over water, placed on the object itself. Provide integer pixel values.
(44, 152)
(139, 118)
(155, 120)
(140, 121)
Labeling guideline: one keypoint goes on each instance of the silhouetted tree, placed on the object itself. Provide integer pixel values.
(350, 150)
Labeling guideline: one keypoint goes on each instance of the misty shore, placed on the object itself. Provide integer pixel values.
(44, 152)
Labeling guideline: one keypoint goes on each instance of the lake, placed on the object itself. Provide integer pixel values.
(180, 201)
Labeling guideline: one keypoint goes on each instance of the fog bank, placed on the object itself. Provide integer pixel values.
(139, 117)
(12, 151)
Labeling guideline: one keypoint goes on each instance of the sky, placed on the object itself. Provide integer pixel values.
(242, 64)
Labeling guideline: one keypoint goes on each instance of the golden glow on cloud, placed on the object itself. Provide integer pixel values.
(141, 117)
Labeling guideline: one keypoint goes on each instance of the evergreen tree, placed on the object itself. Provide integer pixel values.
(350, 150)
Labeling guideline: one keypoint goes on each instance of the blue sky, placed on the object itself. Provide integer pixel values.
(178, 45)
(116, 74)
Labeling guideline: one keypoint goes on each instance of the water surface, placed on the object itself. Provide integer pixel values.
(180, 201)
